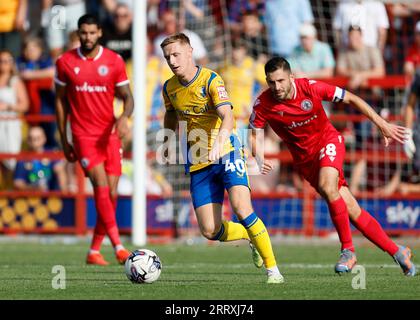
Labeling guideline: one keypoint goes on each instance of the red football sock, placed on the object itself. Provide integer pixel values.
(100, 231)
(106, 213)
(98, 236)
(340, 217)
(372, 230)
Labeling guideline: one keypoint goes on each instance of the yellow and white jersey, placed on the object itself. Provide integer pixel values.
(196, 103)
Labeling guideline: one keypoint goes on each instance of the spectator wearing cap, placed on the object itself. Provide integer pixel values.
(371, 16)
(312, 58)
(412, 60)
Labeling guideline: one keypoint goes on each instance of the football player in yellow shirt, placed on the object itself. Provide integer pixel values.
(197, 96)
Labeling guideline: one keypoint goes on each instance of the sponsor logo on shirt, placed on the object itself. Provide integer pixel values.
(88, 88)
(301, 123)
(221, 91)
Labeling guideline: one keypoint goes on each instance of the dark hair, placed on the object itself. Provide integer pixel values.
(355, 27)
(88, 19)
(277, 63)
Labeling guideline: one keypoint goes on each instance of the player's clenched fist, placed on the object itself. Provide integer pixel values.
(215, 152)
(121, 125)
(266, 166)
(69, 152)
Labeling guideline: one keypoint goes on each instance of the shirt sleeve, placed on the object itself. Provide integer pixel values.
(257, 119)
(121, 78)
(329, 61)
(20, 172)
(167, 101)
(60, 77)
(382, 20)
(217, 91)
(306, 11)
(326, 92)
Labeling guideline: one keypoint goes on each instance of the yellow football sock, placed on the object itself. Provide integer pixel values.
(260, 239)
(231, 231)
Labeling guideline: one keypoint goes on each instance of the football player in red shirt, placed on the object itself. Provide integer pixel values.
(87, 80)
(293, 109)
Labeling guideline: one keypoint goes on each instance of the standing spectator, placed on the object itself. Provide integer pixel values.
(118, 36)
(13, 102)
(253, 35)
(359, 61)
(170, 27)
(12, 23)
(236, 8)
(59, 19)
(371, 16)
(312, 58)
(39, 174)
(240, 78)
(37, 71)
(412, 60)
(283, 19)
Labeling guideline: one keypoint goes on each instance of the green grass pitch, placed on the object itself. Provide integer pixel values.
(200, 272)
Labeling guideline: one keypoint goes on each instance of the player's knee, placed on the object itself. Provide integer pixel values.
(328, 190)
(241, 209)
(210, 233)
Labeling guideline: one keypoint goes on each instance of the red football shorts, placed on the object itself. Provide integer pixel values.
(93, 151)
(331, 154)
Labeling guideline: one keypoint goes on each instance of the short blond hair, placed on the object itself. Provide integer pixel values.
(177, 37)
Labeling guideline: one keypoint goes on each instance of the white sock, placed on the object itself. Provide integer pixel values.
(91, 251)
(273, 271)
(118, 247)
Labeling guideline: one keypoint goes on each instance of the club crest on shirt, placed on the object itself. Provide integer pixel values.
(202, 91)
(84, 162)
(306, 105)
(103, 70)
(76, 70)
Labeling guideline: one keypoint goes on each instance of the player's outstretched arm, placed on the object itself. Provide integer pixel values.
(389, 131)
(121, 125)
(61, 113)
(225, 113)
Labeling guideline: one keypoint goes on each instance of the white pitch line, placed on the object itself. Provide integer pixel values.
(281, 265)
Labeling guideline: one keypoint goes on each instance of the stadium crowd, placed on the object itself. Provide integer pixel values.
(358, 40)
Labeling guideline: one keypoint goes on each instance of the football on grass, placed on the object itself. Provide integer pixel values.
(143, 266)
